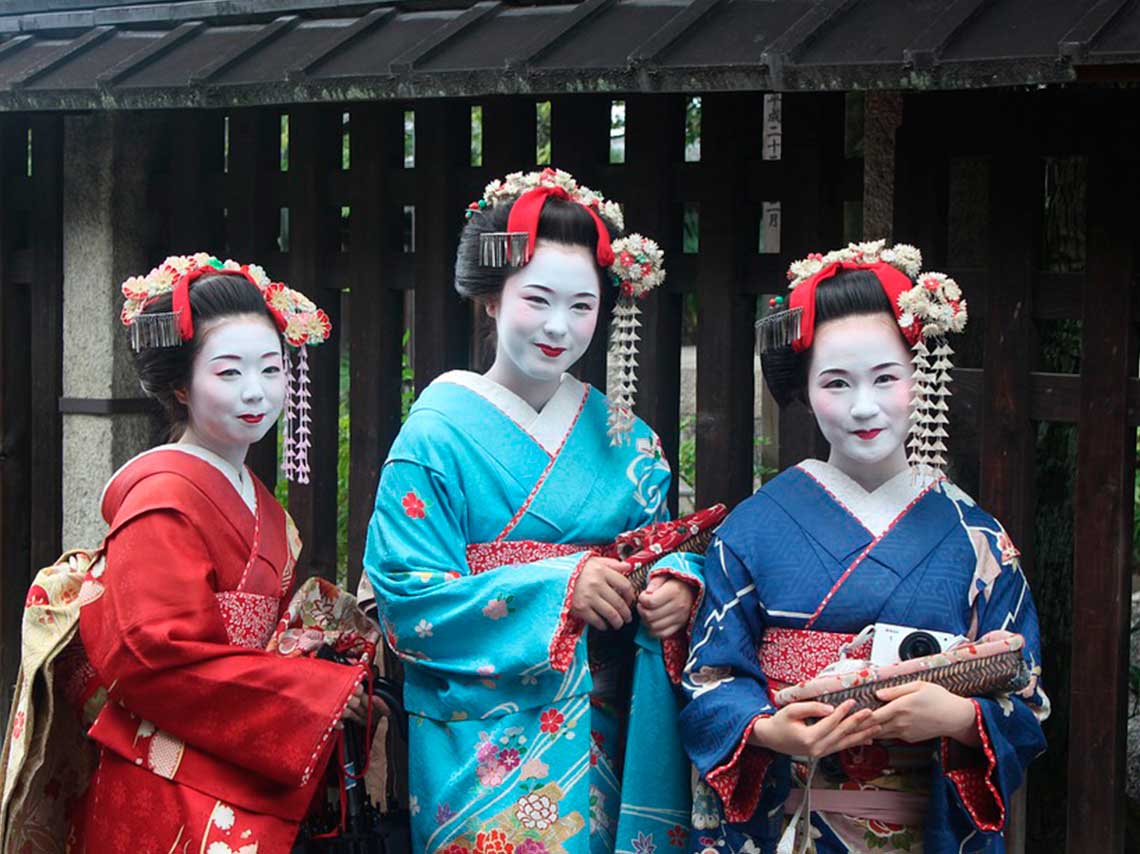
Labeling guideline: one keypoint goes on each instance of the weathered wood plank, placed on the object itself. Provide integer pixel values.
(441, 332)
(15, 559)
(725, 324)
(314, 144)
(45, 336)
(1106, 448)
(653, 144)
(377, 323)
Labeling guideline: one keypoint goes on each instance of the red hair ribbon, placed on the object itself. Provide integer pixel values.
(893, 281)
(528, 208)
(180, 299)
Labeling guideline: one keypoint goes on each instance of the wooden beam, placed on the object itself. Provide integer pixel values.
(366, 24)
(795, 39)
(1102, 548)
(676, 27)
(1074, 45)
(430, 46)
(158, 47)
(927, 47)
(244, 48)
(556, 32)
(88, 40)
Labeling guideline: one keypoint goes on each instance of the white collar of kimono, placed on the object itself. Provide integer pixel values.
(239, 480)
(548, 426)
(875, 510)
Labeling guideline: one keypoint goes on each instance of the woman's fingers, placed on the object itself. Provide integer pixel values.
(615, 600)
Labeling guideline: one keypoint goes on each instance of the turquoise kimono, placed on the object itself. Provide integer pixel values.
(529, 731)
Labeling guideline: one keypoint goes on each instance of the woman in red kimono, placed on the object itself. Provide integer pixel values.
(209, 744)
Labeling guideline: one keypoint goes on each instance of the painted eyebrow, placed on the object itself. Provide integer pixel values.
(545, 289)
(237, 358)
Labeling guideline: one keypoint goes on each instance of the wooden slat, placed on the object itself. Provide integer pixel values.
(377, 310)
(1007, 454)
(314, 145)
(195, 141)
(442, 322)
(150, 53)
(1074, 45)
(725, 322)
(15, 561)
(653, 143)
(796, 38)
(256, 40)
(580, 144)
(45, 336)
(812, 221)
(429, 47)
(252, 224)
(674, 29)
(84, 42)
(557, 31)
(1106, 448)
(365, 24)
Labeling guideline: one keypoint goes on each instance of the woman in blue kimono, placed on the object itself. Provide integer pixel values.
(522, 645)
(826, 549)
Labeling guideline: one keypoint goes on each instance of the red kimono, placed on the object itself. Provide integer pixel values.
(208, 743)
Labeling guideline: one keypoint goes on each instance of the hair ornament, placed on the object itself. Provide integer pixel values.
(638, 268)
(928, 306)
(297, 318)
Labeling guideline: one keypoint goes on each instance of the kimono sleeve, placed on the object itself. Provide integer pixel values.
(725, 686)
(157, 639)
(980, 782)
(432, 604)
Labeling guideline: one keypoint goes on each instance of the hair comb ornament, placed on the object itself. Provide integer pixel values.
(928, 306)
(297, 318)
(635, 263)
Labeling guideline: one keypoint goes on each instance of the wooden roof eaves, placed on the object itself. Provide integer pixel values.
(673, 30)
(926, 50)
(559, 30)
(1074, 46)
(430, 46)
(794, 40)
(244, 48)
(373, 19)
(88, 40)
(149, 54)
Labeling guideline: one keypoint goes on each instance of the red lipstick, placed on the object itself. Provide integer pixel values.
(552, 352)
(252, 419)
(868, 435)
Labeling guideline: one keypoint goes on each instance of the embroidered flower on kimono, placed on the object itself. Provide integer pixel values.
(495, 609)
(536, 812)
(493, 842)
(414, 505)
(222, 817)
(18, 725)
(677, 836)
(551, 720)
(491, 773)
(643, 843)
(443, 814)
(864, 763)
(486, 750)
(145, 730)
(1009, 552)
(534, 769)
(36, 596)
(531, 846)
(454, 848)
(423, 629)
(510, 757)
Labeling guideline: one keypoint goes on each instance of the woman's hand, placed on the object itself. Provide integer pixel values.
(789, 732)
(919, 711)
(665, 605)
(357, 709)
(603, 596)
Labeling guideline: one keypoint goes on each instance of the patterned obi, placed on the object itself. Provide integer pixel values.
(608, 652)
(788, 656)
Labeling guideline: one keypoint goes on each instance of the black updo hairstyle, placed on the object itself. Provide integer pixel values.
(847, 294)
(561, 221)
(163, 371)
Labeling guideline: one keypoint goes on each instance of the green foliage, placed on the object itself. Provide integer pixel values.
(542, 133)
(687, 455)
(476, 136)
(407, 378)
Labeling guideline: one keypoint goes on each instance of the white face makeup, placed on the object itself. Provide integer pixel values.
(545, 319)
(237, 386)
(859, 387)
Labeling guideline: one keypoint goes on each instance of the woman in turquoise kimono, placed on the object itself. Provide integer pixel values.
(522, 645)
(827, 549)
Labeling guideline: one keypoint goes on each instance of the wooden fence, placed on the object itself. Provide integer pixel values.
(226, 190)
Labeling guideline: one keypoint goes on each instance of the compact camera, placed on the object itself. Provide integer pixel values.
(893, 643)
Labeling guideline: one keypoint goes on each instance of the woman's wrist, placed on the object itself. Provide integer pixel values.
(965, 731)
(759, 731)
